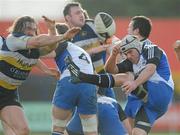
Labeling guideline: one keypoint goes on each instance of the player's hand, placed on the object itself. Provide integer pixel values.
(73, 69)
(54, 73)
(49, 23)
(71, 33)
(129, 86)
(116, 50)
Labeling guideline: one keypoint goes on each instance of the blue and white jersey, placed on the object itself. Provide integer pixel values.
(88, 39)
(151, 54)
(146, 42)
(109, 121)
(109, 117)
(78, 55)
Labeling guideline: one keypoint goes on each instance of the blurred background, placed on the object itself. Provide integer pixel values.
(36, 93)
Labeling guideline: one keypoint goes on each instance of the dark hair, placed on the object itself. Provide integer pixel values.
(67, 8)
(62, 28)
(20, 24)
(144, 25)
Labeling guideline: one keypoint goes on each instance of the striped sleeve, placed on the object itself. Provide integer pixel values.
(153, 54)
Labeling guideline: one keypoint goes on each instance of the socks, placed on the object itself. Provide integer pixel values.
(57, 133)
(102, 80)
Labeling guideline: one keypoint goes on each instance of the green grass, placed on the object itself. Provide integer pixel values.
(149, 134)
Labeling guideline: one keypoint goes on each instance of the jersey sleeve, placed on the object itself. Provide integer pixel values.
(17, 43)
(125, 66)
(60, 49)
(153, 54)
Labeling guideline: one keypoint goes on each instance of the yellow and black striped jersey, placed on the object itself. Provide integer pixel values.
(16, 61)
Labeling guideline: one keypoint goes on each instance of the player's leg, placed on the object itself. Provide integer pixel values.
(142, 124)
(87, 108)
(89, 124)
(6, 129)
(14, 117)
(60, 118)
(74, 126)
(12, 113)
(64, 101)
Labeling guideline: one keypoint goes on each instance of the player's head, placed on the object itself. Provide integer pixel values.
(62, 28)
(24, 25)
(131, 47)
(74, 14)
(140, 26)
(130, 42)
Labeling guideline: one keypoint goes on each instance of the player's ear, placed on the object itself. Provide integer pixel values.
(136, 31)
(67, 18)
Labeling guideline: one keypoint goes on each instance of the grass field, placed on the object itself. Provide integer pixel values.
(149, 134)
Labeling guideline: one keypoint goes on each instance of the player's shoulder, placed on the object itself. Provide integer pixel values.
(149, 47)
(89, 21)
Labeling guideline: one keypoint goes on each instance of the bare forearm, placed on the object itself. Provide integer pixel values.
(96, 50)
(145, 74)
(110, 65)
(47, 49)
(43, 40)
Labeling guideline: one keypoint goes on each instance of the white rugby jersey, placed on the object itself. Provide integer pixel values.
(150, 54)
(78, 55)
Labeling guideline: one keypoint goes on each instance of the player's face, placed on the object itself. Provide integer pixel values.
(132, 55)
(76, 17)
(31, 29)
(131, 30)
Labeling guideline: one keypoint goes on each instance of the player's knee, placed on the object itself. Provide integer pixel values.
(89, 124)
(130, 76)
(138, 131)
(23, 130)
(57, 123)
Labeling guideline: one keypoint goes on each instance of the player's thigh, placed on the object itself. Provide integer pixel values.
(14, 117)
(65, 95)
(132, 106)
(87, 100)
(159, 96)
(123, 77)
(6, 129)
(60, 113)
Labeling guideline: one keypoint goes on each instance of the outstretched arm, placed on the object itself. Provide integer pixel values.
(45, 40)
(176, 46)
(49, 71)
